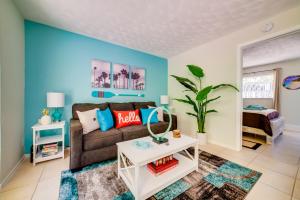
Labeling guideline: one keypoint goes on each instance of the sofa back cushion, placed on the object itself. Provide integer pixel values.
(139, 105)
(85, 107)
(121, 106)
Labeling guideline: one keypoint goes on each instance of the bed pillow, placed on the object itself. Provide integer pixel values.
(160, 113)
(273, 115)
(146, 114)
(105, 119)
(88, 119)
(127, 118)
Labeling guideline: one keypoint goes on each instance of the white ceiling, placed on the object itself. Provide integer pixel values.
(275, 50)
(160, 27)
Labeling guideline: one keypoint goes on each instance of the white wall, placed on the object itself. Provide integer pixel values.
(12, 86)
(288, 99)
(219, 60)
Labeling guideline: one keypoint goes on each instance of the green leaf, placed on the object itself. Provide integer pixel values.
(196, 71)
(184, 79)
(193, 103)
(183, 101)
(211, 111)
(187, 84)
(225, 85)
(202, 94)
(210, 100)
(192, 114)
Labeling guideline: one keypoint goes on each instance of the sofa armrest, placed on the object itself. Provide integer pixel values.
(76, 133)
(174, 120)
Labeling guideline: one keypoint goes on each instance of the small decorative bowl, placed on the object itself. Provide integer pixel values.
(142, 144)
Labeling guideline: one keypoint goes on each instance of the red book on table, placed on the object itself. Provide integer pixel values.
(157, 170)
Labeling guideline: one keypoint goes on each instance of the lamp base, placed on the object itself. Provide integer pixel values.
(56, 116)
(160, 140)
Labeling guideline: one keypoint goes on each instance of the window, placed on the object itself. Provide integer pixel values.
(259, 86)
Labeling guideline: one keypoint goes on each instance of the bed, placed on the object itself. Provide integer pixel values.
(267, 123)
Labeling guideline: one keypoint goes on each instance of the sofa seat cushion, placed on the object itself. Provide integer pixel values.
(159, 127)
(138, 131)
(99, 139)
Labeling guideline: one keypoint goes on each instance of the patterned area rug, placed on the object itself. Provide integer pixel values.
(217, 178)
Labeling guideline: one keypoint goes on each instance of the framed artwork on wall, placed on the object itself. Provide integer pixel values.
(100, 76)
(120, 76)
(292, 82)
(138, 78)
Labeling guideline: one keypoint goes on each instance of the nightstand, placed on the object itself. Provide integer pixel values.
(39, 141)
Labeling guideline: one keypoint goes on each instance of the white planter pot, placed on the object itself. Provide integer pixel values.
(202, 138)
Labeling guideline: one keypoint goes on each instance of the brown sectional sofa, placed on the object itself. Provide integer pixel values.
(98, 146)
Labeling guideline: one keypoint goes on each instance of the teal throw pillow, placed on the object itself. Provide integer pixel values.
(105, 119)
(146, 114)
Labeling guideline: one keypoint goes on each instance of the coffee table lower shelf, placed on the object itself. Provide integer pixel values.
(148, 184)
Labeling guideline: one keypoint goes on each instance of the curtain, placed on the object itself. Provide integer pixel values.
(277, 73)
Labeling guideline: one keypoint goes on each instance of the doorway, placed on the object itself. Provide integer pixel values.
(255, 60)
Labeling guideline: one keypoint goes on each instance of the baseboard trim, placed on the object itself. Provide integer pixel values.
(292, 127)
(27, 155)
(12, 172)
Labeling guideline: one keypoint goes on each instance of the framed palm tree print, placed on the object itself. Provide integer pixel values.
(137, 78)
(100, 76)
(120, 76)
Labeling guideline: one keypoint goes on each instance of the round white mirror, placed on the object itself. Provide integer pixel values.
(159, 138)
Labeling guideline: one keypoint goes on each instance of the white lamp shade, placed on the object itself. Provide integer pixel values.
(164, 99)
(55, 100)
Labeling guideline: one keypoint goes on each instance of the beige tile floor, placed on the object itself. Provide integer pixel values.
(279, 164)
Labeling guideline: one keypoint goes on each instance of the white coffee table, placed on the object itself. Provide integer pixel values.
(141, 182)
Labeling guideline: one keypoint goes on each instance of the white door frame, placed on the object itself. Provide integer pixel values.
(239, 78)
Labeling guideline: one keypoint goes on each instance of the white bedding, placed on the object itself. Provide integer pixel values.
(277, 126)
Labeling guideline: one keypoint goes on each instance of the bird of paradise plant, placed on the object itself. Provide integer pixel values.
(201, 98)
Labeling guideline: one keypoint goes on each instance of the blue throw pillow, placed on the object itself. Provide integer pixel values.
(145, 115)
(105, 119)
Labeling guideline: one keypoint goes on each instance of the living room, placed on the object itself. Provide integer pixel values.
(94, 92)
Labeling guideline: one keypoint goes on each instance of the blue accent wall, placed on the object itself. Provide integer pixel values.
(60, 61)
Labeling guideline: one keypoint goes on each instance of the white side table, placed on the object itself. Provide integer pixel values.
(38, 140)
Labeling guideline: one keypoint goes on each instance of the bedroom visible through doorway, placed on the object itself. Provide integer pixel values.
(269, 106)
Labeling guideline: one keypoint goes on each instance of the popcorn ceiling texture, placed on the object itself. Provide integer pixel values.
(280, 49)
(165, 28)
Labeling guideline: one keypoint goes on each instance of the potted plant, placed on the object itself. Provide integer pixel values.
(200, 99)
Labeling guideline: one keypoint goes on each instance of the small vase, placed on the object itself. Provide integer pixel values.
(45, 120)
(202, 138)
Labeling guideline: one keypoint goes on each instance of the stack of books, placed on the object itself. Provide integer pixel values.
(162, 165)
(49, 149)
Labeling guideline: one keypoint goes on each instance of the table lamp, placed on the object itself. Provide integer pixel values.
(164, 100)
(56, 100)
